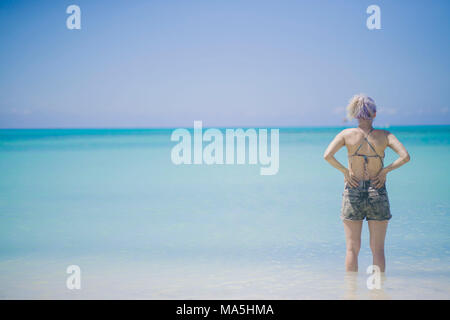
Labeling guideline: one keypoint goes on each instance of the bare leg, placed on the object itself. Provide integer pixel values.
(377, 231)
(353, 243)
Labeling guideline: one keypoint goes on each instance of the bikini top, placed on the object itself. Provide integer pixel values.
(365, 156)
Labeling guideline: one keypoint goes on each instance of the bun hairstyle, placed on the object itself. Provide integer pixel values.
(361, 106)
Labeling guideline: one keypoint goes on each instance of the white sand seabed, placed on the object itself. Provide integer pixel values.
(202, 279)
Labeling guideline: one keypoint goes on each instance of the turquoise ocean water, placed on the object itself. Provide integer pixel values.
(112, 202)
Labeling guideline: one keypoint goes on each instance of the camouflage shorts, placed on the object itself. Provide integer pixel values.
(365, 201)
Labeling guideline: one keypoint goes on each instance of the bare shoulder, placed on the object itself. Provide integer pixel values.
(391, 138)
(349, 136)
(381, 132)
(348, 131)
(381, 137)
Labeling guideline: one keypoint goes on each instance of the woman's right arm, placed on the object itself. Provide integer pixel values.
(337, 143)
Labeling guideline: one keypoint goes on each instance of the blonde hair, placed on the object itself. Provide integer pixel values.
(361, 106)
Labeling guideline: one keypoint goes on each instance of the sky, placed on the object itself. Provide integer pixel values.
(227, 63)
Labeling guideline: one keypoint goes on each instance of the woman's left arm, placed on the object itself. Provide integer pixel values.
(337, 143)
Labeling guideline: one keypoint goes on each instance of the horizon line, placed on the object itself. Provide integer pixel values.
(218, 127)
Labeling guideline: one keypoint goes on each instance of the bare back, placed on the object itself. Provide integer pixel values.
(365, 157)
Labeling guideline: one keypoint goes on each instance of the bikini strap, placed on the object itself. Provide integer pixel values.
(367, 156)
(370, 145)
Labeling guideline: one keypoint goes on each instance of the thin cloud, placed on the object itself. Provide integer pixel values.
(389, 111)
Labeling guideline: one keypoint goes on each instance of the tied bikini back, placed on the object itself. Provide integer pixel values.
(366, 152)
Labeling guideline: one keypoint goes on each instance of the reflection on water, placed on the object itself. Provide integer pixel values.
(351, 285)
(119, 277)
(380, 294)
(355, 289)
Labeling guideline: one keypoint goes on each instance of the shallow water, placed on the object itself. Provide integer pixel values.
(112, 202)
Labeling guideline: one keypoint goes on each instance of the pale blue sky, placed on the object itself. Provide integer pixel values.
(228, 63)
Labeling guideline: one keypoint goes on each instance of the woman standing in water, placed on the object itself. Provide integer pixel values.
(365, 194)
